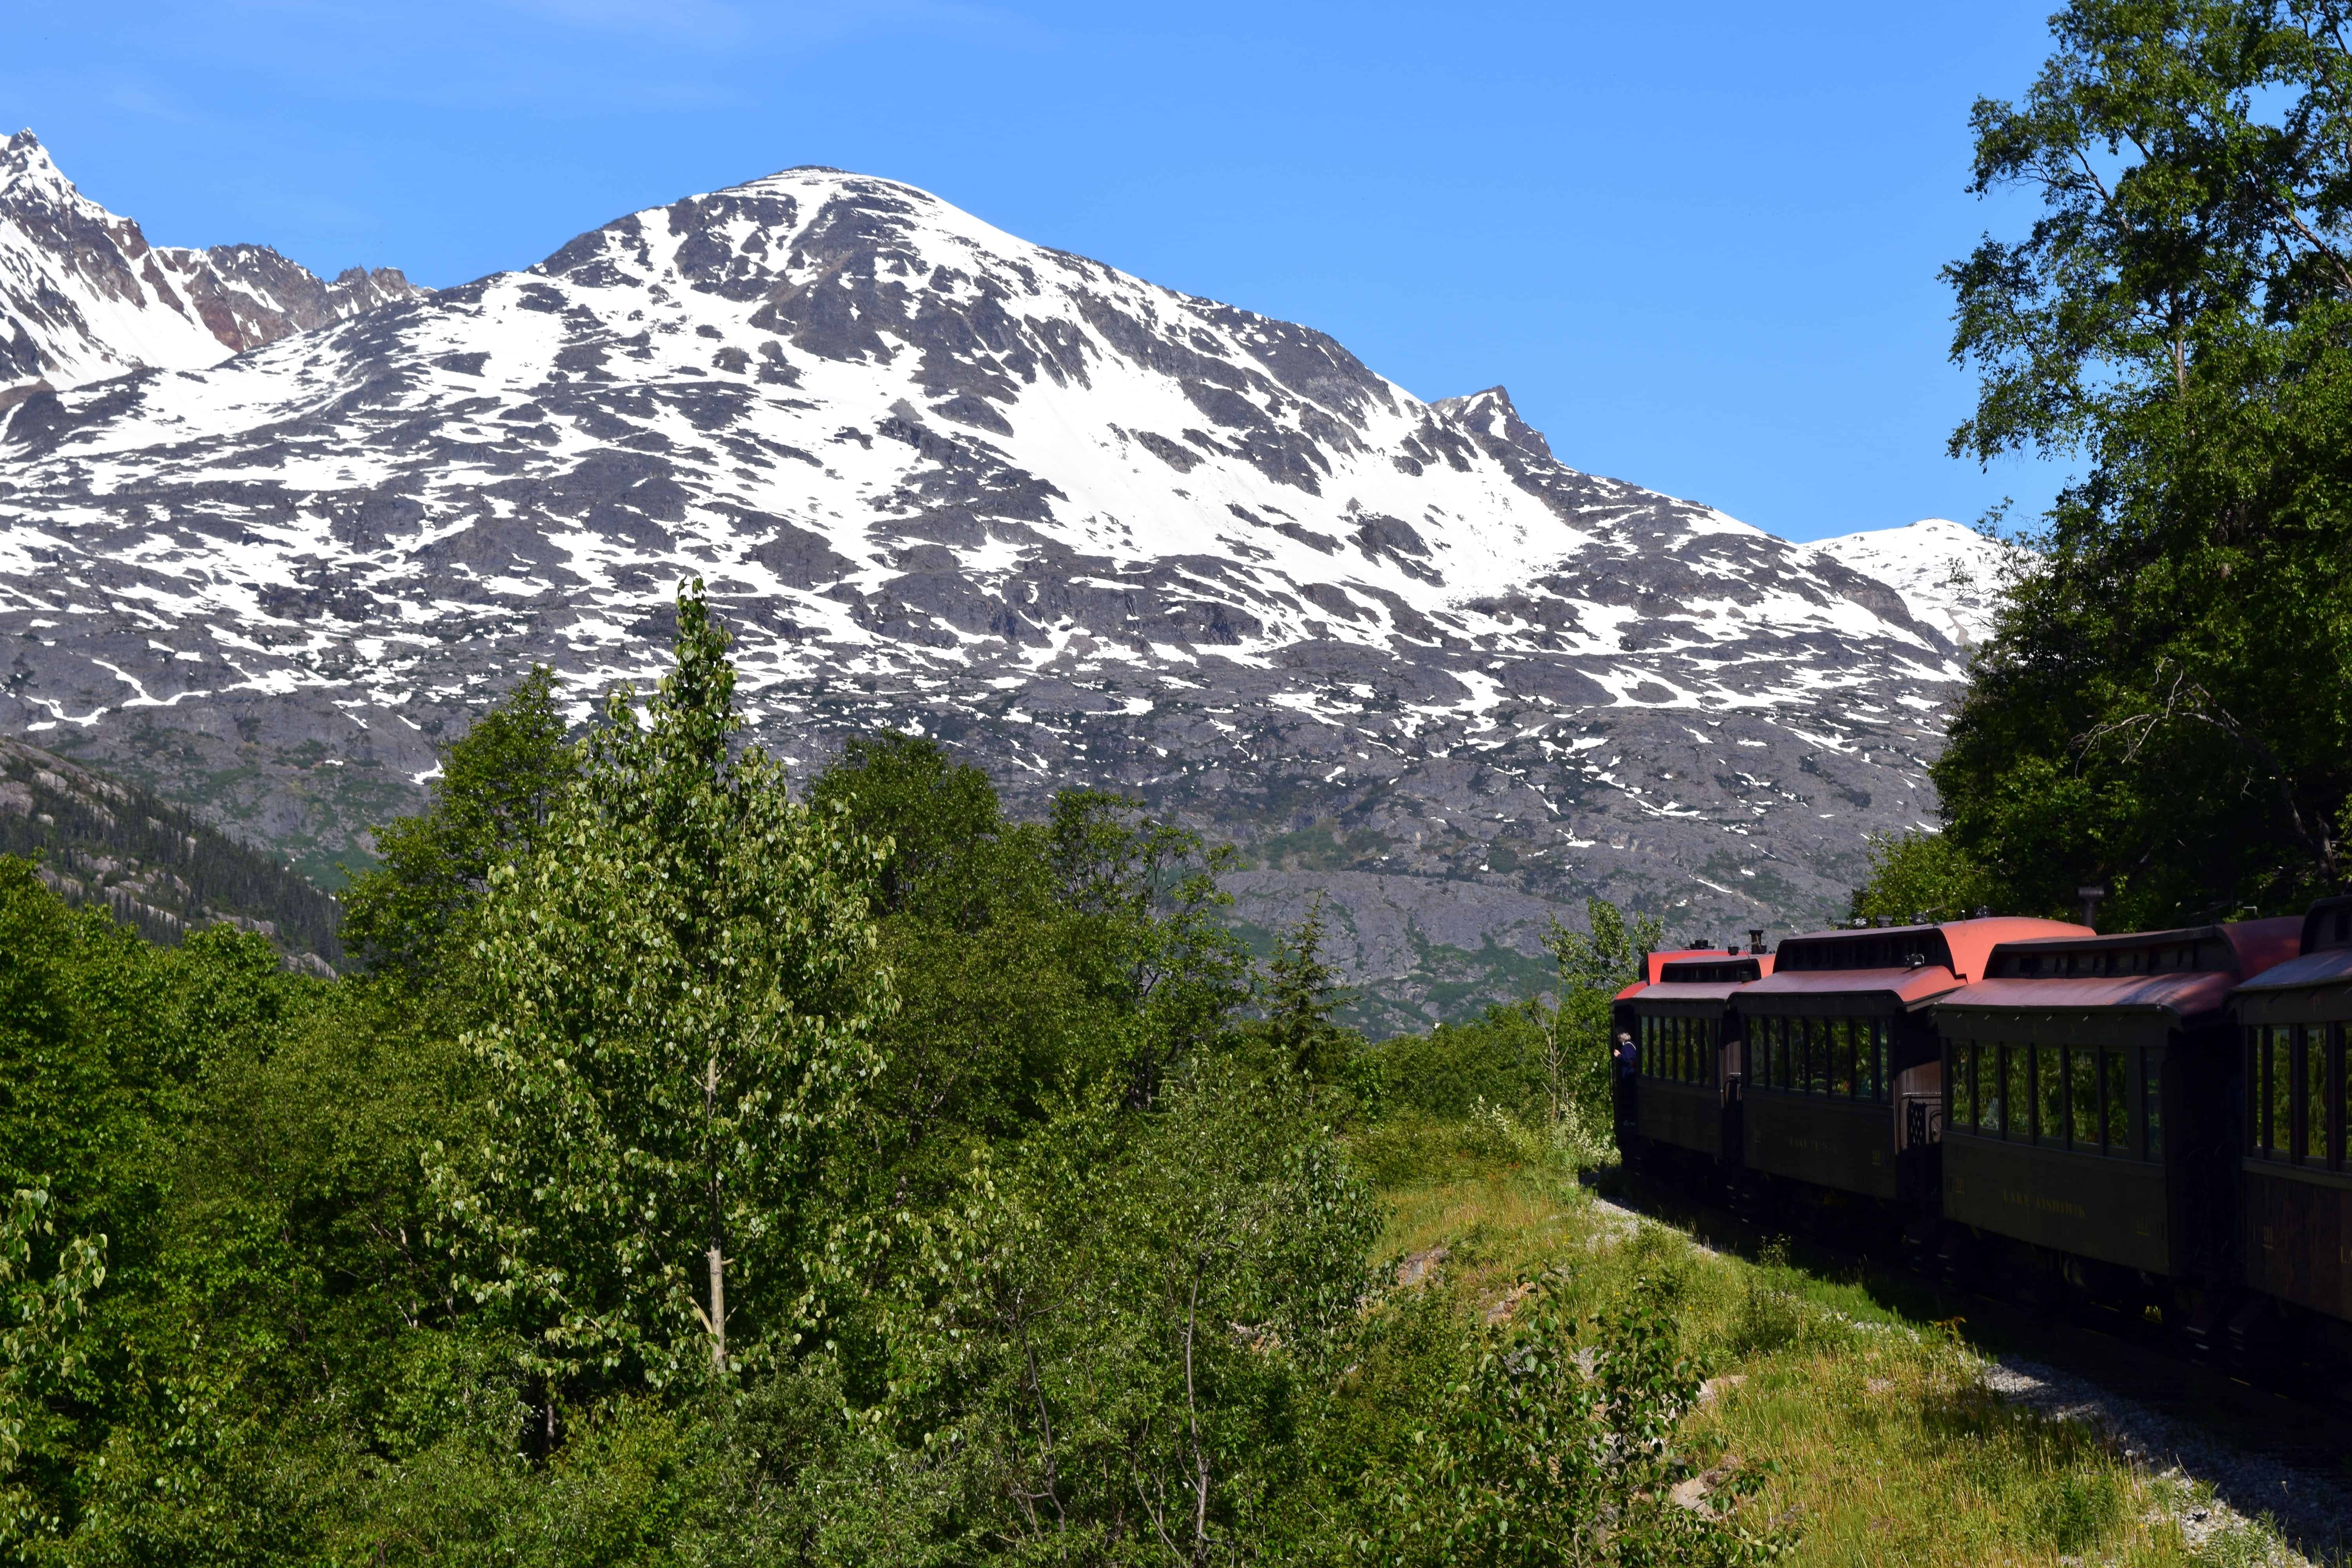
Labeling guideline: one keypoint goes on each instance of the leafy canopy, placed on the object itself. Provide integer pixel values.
(2166, 707)
(497, 786)
(682, 1008)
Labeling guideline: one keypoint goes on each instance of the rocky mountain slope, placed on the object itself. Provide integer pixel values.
(96, 841)
(1085, 528)
(83, 296)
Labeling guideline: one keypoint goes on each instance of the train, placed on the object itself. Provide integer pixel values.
(2149, 1127)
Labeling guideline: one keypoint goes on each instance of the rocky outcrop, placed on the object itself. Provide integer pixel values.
(83, 296)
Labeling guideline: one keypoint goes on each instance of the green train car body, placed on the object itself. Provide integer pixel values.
(1686, 1039)
(1843, 1087)
(2087, 1092)
(2294, 1151)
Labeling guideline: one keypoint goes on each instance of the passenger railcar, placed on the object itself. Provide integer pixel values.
(2088, 1136)
(1686, 1040)
(1843, 1079)
(2296, 1148)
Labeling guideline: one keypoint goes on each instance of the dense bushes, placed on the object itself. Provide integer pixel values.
(707, 1175)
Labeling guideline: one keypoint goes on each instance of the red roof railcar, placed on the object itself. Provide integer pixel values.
(1844, 1077)
(1621, 1031)
(1687, 1045)
(2087, 1081)
(2295, 1145)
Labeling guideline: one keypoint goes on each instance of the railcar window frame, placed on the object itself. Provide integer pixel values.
(1843, 1056)
(1677, 1047)
(2081, 1098)
(2295, 1072)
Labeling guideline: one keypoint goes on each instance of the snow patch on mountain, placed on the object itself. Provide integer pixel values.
(1949, 574)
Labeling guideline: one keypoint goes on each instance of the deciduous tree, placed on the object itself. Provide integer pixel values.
(681, 1008)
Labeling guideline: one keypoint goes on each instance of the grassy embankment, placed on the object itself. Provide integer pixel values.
(1885, 1446)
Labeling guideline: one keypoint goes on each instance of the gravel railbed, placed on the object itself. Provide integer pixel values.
(2311, 1511)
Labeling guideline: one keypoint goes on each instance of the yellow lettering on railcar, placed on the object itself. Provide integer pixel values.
(2044, 1201)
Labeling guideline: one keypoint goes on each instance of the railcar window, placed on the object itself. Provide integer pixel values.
(2294, 1094)
(1846, 1058)
(2336, 1076)
(2115, 1101)
(2048, 1095)
(2017, 1091)
(2278, 1094)
(1683, 1050)
(2082, 1095)
(2317, 1095)
(2151, 1103)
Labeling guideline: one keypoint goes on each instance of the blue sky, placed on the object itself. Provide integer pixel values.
(1697, 242)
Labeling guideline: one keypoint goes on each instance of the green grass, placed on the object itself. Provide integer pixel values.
(1882, 1443)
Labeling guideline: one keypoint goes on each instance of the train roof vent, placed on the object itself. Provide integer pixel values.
(2329, 924)
(1903, 947)
(1712, 971)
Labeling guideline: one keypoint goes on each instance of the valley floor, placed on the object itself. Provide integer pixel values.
(1885, 1437)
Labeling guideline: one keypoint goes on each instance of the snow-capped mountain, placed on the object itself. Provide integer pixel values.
(1086, 528)
(83, 296)
(1949, 574)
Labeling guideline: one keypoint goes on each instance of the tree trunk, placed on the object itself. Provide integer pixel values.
(717, 1308)
(717, 1229)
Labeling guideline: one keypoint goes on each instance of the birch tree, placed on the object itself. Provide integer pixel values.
(682, 996)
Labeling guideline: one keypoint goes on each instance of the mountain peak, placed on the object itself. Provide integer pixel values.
(1492, 413)
(26, 167)
(1949, 576)
(84, 296)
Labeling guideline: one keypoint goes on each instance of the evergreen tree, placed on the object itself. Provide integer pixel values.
(1301, 997)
